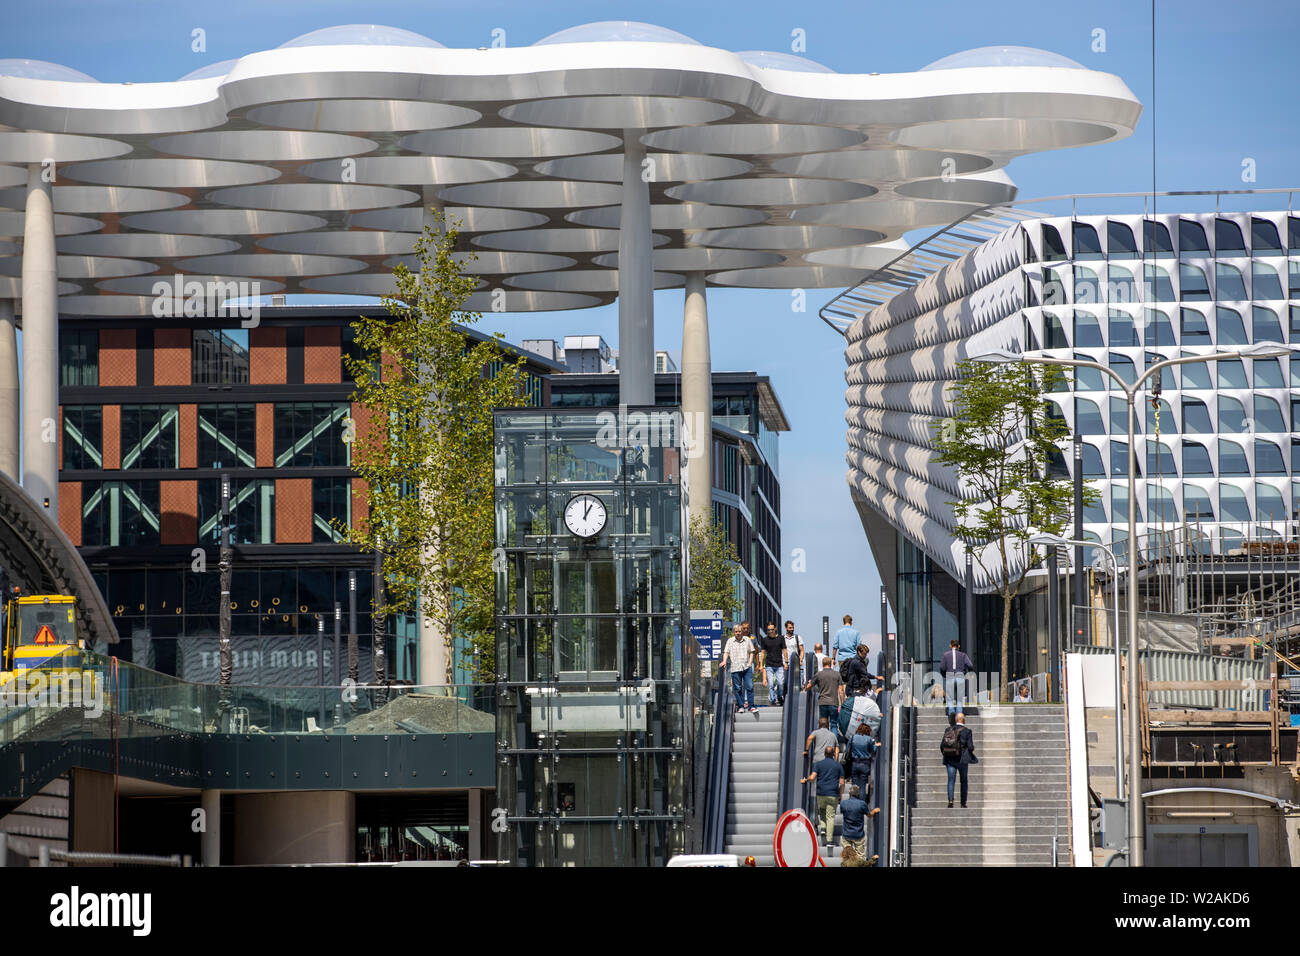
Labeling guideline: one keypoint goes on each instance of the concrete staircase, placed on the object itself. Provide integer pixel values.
(752, 789)
(1019, 790)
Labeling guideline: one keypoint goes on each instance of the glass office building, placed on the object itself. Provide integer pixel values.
(591, 738)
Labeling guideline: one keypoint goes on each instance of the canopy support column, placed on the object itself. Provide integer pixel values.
(636, 305)
(40, 381)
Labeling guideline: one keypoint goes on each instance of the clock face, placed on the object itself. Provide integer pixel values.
(585, 515)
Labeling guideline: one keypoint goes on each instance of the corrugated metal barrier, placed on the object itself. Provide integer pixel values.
(1180, 665)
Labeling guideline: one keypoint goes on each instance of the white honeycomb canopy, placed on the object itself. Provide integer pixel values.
(307, 168)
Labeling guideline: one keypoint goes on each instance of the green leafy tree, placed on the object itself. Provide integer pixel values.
(425, 447)
(713, 568)
(1001, 441)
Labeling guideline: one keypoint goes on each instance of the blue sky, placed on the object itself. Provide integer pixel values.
(1224, 89)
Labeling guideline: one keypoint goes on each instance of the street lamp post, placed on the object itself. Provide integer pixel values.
(1137, 853)
(1055, 541)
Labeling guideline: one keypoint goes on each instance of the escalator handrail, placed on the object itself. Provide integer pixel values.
(789, 730)
(719, 767)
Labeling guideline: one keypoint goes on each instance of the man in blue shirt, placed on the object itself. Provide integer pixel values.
(829, 776)
(846, 642)
(855, 813)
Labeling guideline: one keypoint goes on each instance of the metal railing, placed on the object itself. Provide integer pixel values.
(715, 812)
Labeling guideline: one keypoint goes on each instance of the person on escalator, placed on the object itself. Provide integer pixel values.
(774, 661)
(822, 738)
(854, 809)
(830, 690)
(738, 657)
(829, 776)
(862, 751)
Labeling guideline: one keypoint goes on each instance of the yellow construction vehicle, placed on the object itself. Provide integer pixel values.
(40, 634)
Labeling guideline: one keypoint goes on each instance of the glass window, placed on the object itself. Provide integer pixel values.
(1159, 287)
(1195, 286)
(1266, 282)
(1122, 365)
(1232, 415)
(1087, 287)
(1118, 416)
(1295, 500)
(1119, 240)
(83, 437)
(220, 356)
(1228, 326)
(1191, 237)
(1086, 243)
(1269, 503)
(311, 433)
(330, 502)
(1155, 238)
(1227, 238)
(1268, 415)
(252, 510)
(1268, 373)
(1119, 504)
(1229, 283)
(1087, 330)
(1232, 374)
(119, 513)
(1093, 466)
(227, 436)
(1119, 460)
(149, 437)
(1087, 418)
(1264, 239)
(1196, 417)
(1159, 329)
(1196, 328)
(1088, 379)
(1094, 512)
(1053, 332)
(1030, 255)
(1232, 503)
(1196, 504)
(1293, 233)
(1265, 324)
(1232, 458)
(1295, 456)
(1122, 332)
(1293, 268)
(1160, 460)
(1053, 247)
(1195, 374)
(1196, 459)
(1160, 504)
(79, 357)
(1268, 458)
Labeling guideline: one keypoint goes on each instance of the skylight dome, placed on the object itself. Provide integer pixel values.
(1004, 56)
(617, 31)
(41, 70)
(361, 34)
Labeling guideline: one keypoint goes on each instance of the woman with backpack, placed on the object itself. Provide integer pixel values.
(957, 747)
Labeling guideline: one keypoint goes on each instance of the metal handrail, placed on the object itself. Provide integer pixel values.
(715, 818)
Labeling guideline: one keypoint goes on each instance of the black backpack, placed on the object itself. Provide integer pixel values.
(846, 675)
(950, 745)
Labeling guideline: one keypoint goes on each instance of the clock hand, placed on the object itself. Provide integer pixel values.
(586, 511)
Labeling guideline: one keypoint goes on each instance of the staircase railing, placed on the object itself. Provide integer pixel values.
(903, 764)
(715, 813)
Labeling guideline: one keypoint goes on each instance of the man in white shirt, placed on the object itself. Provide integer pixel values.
(738, 657)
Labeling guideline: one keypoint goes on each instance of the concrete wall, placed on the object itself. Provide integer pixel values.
(317, 826)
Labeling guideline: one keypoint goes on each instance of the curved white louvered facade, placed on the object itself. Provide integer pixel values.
(1220, 458)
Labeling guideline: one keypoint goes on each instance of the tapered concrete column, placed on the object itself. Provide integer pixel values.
(9, 433)
(636, 302)
(697, 397)
(40, 381)
(210, 839)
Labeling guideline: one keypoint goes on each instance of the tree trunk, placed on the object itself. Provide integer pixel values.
(1004, 694)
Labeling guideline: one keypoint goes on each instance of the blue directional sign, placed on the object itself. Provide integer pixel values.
(706, 628)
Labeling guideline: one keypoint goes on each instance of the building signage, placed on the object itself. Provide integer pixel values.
(706, 628)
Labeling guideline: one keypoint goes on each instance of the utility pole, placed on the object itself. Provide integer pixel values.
(352, 626)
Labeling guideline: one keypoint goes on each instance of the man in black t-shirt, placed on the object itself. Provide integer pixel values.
(772, 646)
